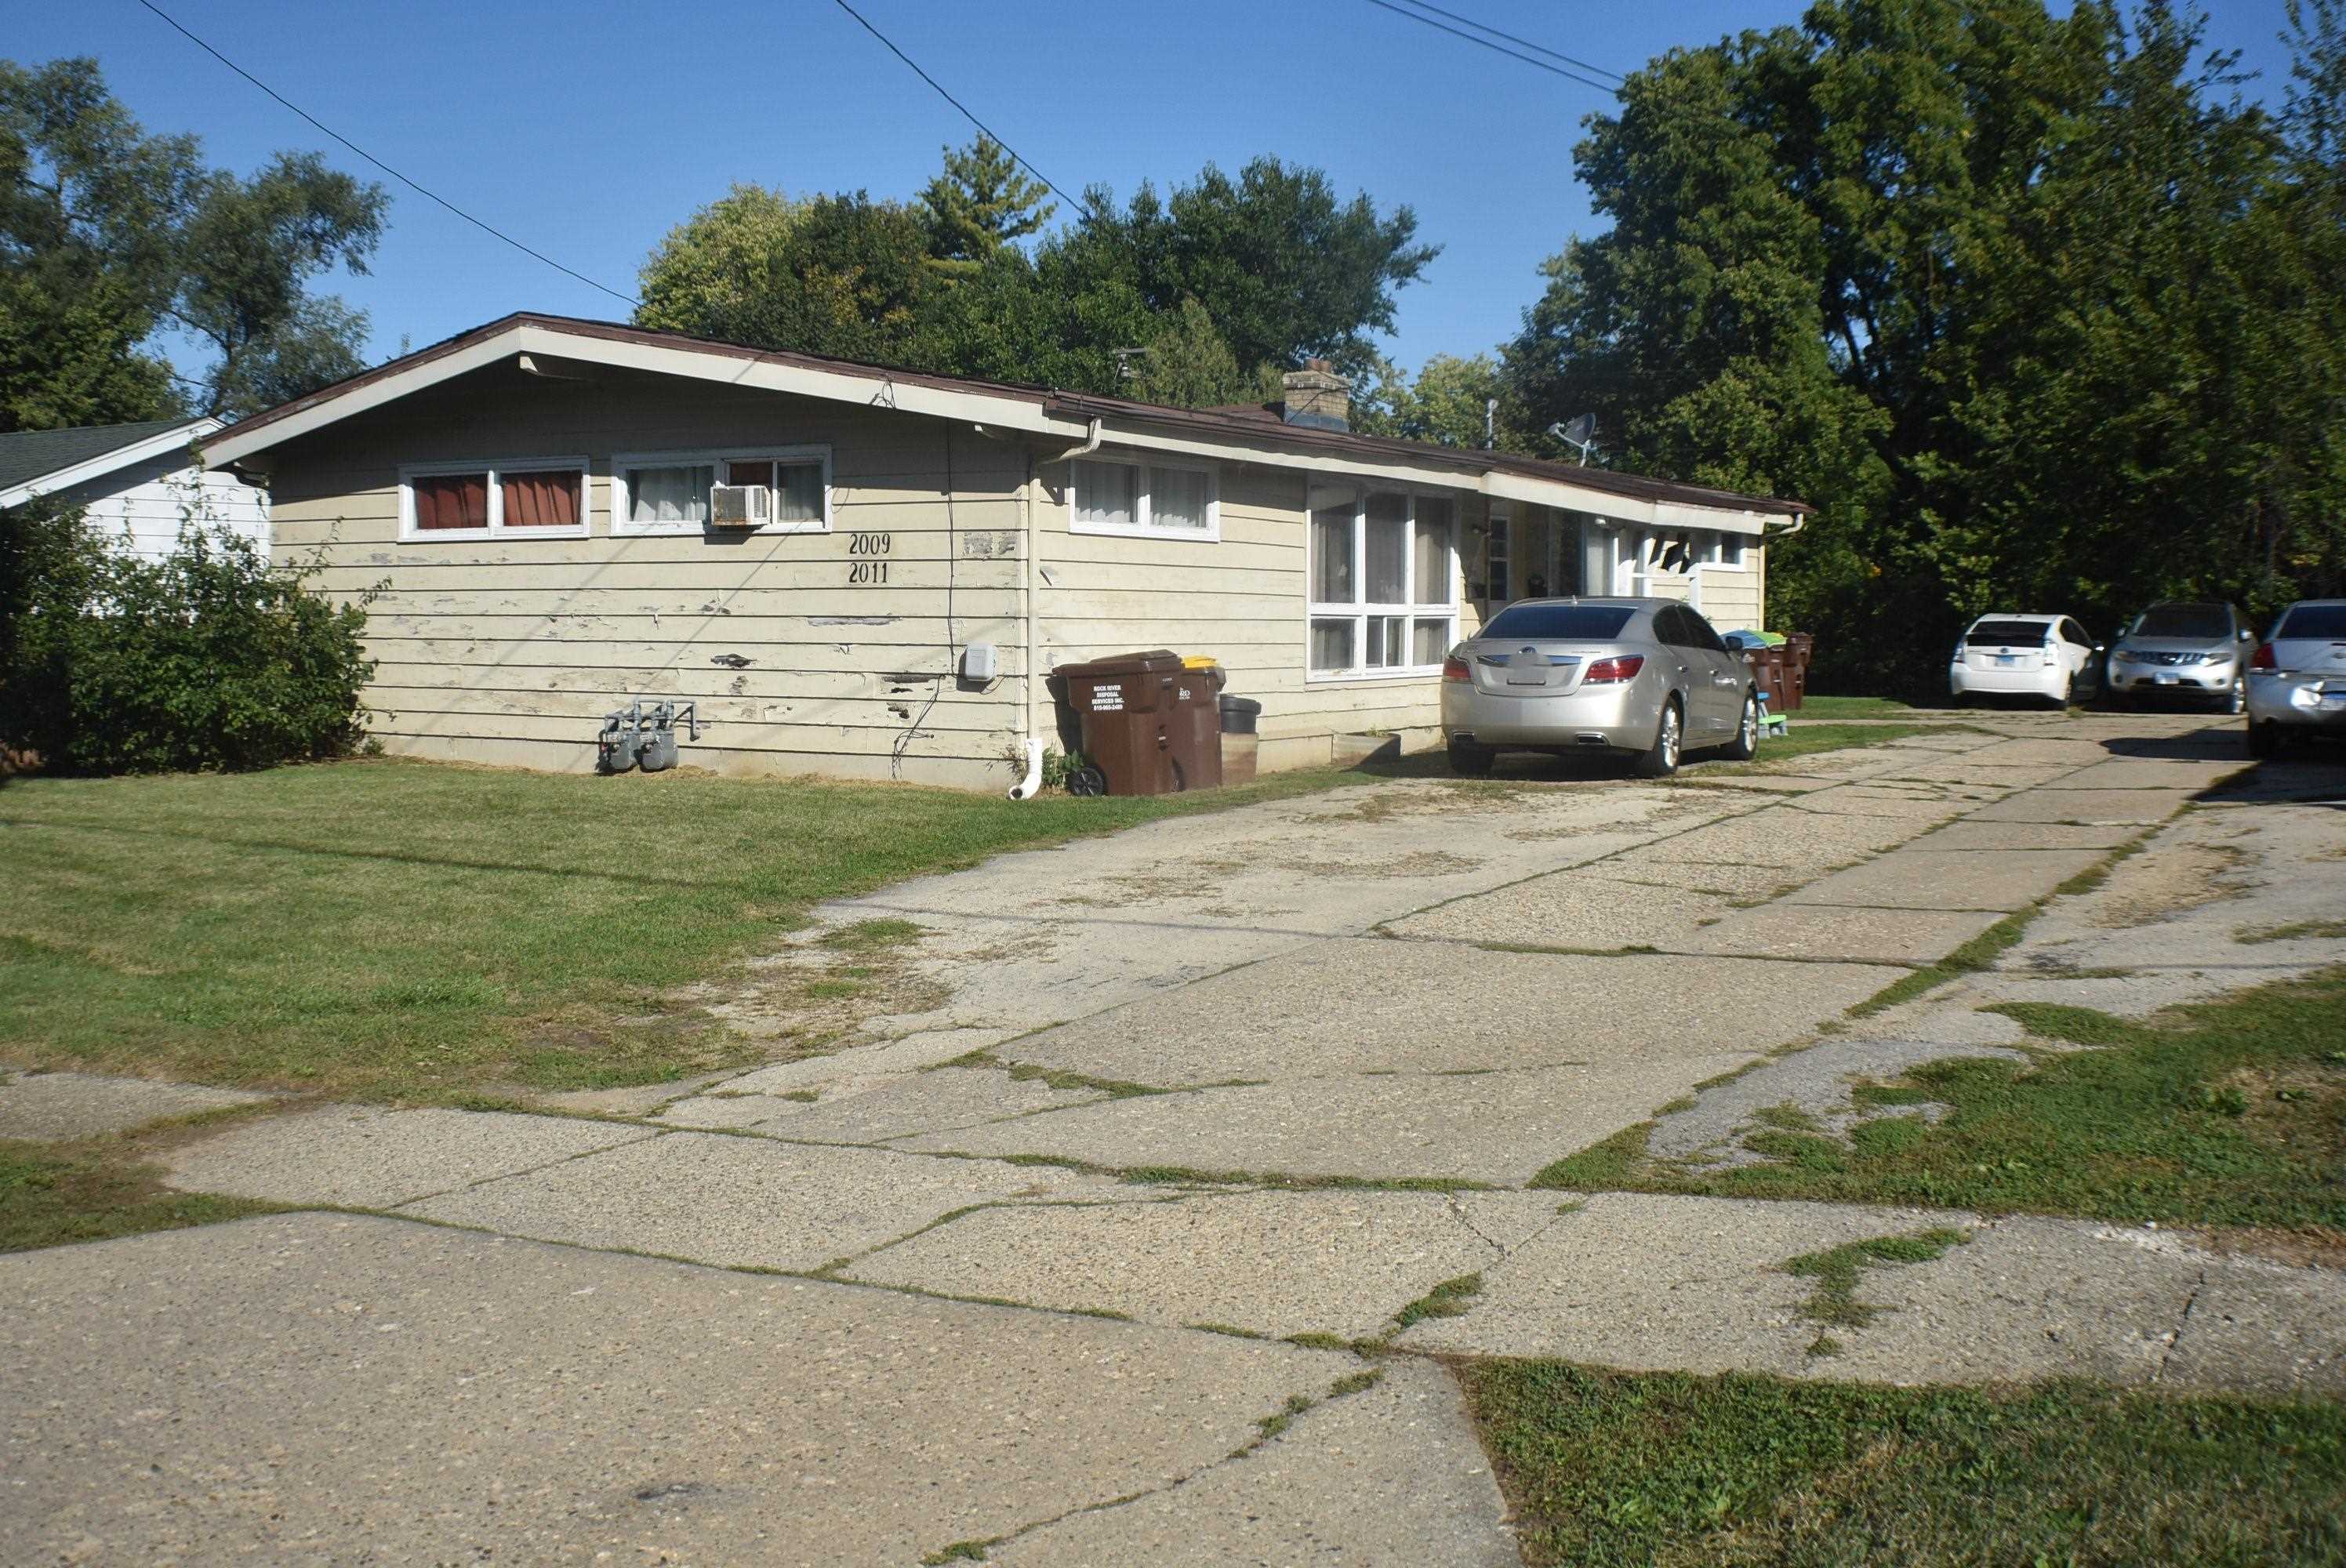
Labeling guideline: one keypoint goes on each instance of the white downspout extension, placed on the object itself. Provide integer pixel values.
(1027, 787)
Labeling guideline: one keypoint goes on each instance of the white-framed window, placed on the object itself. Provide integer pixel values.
(668, 492)
(1727, 553)
(1384, 573)
(534, 497)
(1143, 499)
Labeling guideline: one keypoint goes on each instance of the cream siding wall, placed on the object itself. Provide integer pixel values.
(512, 649)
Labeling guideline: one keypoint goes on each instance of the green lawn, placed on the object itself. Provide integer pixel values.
(405, 930)
(396, 929)
(1826, 708)
(1606, 1468)
(2226, 1113)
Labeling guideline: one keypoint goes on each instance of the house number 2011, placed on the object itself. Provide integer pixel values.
(866, 572)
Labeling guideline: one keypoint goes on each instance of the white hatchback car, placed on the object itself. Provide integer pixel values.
(2044, 657)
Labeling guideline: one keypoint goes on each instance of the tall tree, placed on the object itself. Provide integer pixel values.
(1996, 288)
(109, 236)
(980, 203)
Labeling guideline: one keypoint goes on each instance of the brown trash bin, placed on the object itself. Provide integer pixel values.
(1197, 728)
(1800, 649)
(1126, 706)
(1770, 674)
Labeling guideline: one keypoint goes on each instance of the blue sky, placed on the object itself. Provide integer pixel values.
(589, 128)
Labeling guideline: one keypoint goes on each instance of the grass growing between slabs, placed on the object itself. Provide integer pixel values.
(2225, 1113)
(1606, 1468)
(405, 930)
(54, 1194)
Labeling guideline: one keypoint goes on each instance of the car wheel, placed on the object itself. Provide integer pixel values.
(1661, 759)
(2264, 740)
(1746, 744)
(1471, 761)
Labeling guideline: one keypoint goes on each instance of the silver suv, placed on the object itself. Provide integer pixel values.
(2296, 682)
(2181, 652)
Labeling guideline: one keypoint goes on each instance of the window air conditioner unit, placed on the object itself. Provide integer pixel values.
(741, 506)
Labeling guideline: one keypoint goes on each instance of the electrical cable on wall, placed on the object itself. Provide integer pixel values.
(952, 647)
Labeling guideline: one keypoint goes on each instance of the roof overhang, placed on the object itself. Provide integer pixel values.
(162, 443)
(1011, 412)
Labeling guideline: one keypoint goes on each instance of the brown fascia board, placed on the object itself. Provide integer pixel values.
(1251, 426)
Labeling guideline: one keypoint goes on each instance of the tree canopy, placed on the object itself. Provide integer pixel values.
(1183, 297)
(112, 238)
(2035, 309)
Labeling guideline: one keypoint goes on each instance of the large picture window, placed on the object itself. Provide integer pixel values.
(1383, 578)
(668, 492)
(1153, 500)
(543, 496)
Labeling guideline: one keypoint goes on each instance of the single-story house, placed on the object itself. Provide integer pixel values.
(136, 483)
(865, 572)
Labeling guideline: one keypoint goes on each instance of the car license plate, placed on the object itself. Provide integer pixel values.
(2007, 658)
(2166, 679)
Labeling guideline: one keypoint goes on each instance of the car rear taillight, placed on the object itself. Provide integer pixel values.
(1606, 671)
(2263, 658)
(2052, 657)
(1454, 669)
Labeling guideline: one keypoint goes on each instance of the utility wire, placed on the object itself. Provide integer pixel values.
(412, 184)
(1084, 208)
(1526, 43)
(1485, 43)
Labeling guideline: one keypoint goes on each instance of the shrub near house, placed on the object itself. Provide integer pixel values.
(208, 657)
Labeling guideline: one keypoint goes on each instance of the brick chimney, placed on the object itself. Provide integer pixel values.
(1316, 396)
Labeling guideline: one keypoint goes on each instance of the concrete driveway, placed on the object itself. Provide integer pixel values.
(1016, 1274)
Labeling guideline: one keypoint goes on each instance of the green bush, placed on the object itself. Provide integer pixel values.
(209, 658)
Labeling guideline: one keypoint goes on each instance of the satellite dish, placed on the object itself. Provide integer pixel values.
(1580, 434)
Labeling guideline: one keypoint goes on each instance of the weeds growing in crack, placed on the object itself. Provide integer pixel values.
(1833, 1303)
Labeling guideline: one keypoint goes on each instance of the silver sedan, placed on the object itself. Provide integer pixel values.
(1647, 680)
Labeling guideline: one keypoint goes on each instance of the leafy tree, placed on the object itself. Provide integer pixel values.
(1189, 365)
(981, 203)
(247, 252)
(1445, 405)
(839, 275)
(2011, 297)
(109, 235)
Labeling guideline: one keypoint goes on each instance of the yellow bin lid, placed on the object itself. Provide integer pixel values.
(1199, 661)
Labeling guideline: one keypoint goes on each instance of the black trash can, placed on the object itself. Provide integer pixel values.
(1240, 714)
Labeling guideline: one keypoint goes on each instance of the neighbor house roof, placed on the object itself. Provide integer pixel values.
(1249, 434)
(42, 461)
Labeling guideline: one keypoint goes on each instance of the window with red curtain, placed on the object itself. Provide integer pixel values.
(547, 498)
(452, 501)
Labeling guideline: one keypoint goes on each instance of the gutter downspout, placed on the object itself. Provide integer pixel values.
(1027, 787)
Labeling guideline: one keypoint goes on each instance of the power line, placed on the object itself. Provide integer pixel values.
(1500, 49)
(1084, 208)
(1526, 43)
(403, 180)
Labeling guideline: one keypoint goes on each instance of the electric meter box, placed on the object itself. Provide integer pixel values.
(978, 663)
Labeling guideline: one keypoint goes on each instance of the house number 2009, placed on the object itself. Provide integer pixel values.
(870, 544)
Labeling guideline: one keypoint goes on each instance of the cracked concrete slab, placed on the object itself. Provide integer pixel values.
(1913, 878)
(1496, 1128)
(51, 1107)
(911, 1053)
(1653, 1283)
(1276, 1263)
(2153, 773)
(874, 1111)
(2099, 805)
(1972, 834)
(1391, 1478)
(353, 1156)
(741, 1202)
(2024, 1298)
(321, 1386)
(1786, 835)
(1367, 1005)
(2264, 1329)
(1858, 935)
(1570, 909)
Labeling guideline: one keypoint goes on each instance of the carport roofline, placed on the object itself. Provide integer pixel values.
(1256, 436)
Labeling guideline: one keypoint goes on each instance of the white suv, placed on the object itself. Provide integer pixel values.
(2297, 681)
